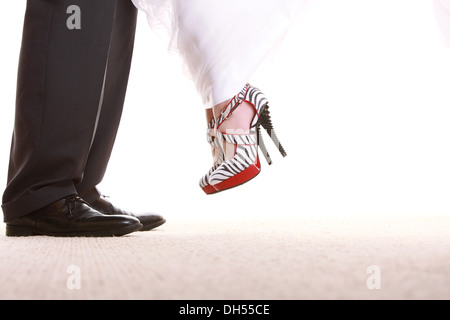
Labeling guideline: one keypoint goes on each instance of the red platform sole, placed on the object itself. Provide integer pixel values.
(236, 180)
(209, 189)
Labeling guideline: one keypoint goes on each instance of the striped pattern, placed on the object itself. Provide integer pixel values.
(248, 94)
(210, 132)
(234, 103)
(266, 123)
(263, 148)
(215, 143)
(240, 139)
(245, 145)
(204, 181)
(246, 153)
(245, 156)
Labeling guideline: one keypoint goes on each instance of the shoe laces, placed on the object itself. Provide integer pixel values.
(71, 203)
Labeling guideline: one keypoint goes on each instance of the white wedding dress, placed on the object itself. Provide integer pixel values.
(222, 42)
(442, 9)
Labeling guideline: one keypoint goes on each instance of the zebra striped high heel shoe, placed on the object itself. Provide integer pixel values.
(245, 164)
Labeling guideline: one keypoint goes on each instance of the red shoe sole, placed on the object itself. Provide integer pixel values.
(209, 189)
(238, 179)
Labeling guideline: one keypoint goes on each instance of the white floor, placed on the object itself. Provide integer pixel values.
(271, 258)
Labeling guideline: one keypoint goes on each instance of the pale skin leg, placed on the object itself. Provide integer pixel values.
(239, 121)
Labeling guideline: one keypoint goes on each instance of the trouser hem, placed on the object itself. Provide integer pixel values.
(35, 200)
(91, 195)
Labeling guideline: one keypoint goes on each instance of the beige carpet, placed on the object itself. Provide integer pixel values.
(302, 258)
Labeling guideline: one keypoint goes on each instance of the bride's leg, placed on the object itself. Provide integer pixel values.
(241, 116)
(239, 123)
(221, 55)
(209, 115)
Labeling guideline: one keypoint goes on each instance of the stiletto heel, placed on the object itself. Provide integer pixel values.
(263, 148)
(266, 123)
(245, 164)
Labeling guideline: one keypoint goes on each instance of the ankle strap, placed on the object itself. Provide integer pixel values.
(238, 139)
(234, 103)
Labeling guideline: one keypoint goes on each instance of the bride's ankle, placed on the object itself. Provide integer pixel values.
(240, 119)
(236, 124)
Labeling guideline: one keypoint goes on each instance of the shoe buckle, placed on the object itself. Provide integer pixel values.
(238, 103)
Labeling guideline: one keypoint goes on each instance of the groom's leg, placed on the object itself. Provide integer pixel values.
(119, 62)
(59, 92)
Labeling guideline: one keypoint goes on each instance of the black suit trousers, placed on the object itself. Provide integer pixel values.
(72, 79)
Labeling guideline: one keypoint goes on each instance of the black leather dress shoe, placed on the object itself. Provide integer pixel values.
(71, 217)
(149, 221)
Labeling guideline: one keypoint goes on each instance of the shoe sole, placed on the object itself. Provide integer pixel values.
(153, 225)
(209, 189)
(236, 180)
(22, 231)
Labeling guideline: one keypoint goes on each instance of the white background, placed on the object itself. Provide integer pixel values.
(360, 96)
